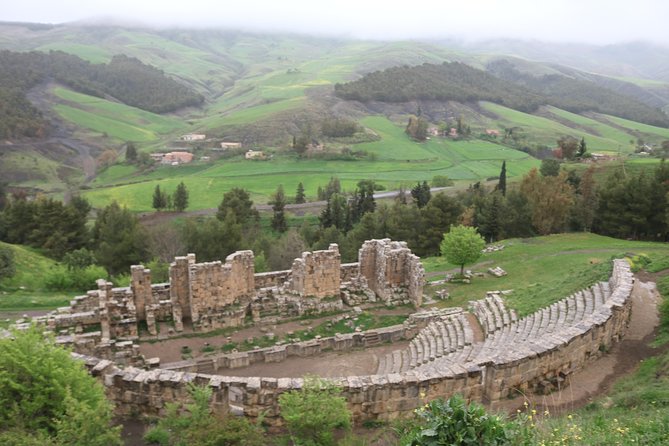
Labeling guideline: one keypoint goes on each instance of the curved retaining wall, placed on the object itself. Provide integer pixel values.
(384, 397)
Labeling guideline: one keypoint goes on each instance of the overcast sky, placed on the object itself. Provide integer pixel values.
(592, 21)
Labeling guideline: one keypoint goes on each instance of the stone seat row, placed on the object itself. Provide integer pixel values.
(491, 313)
(440, 337)
(539, 331)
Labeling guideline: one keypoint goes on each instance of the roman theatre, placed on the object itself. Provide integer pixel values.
(252, 336)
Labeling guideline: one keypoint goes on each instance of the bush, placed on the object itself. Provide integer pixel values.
(453, 422)
(198, 426)
(7, 265)
(442, 181)
(44, 392)
(314, 412)
(61, 278)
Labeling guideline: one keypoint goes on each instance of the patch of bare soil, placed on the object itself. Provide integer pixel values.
(597, 378)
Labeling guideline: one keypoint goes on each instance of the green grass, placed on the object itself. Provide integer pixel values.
(542, 270)
(119, 121)
(635, 412)
(25, 290)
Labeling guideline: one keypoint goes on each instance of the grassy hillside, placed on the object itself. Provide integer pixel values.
(542, 270)
(26, 289)
(119, 121)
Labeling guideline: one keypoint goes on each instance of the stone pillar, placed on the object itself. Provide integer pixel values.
(140, 285)
(104, 293)
(242, 270)
(180, 288)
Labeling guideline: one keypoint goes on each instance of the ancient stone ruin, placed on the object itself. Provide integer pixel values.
(536, 353)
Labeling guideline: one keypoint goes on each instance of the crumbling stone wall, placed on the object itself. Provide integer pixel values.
(317, 273)
(375, 397)
(221, 289)
(392, 271)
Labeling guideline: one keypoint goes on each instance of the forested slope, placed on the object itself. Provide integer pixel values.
(125, 79)
(459, 82)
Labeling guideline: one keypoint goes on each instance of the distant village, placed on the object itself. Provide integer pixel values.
(185, 155)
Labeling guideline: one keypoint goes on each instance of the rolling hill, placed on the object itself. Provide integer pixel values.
(262, 90)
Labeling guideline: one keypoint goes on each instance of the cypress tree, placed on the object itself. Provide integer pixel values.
(501, 186)
(181, 197)
(299, 195)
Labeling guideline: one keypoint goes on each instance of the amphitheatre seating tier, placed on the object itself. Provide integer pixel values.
(441, 336)
(491, 312)
(529, 354)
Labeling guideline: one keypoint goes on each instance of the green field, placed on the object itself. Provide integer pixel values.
(399, 162)
(542, 270)
(118, 121)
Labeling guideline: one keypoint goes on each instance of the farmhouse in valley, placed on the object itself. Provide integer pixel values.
(193, 137)
(225, 145)
(254, 155)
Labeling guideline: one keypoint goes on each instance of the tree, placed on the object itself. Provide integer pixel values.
(435, 218)
(7, 264)
(586, 200)
(363, 200)
(159, 199)
(550, 199)
(45, 392)
(501, 186)
(462, 245)
(417, 128)
(314, 412)
(549, 168)
(119, 239)
(239, 202)
(299, 195)
(181, 197)
(582, 148)
(278, 205)
(130, 153)
(568, 146)
(421, 194)
(213, 239)
(285, 250)
(336, 213)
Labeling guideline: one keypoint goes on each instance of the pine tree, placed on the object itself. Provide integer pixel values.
(130, 153)
(181, 197)
(278, 205)
(159, 199)
(299, 195)
(501, 186)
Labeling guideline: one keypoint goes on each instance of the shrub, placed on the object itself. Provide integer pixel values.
(61, 278)
(7, 265)
(196, 425)
(453, 422)
(44, 392)
(442, 181)
(314, 412)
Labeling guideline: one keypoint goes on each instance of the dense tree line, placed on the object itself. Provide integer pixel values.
(456, 81)
(124, 78)
(447, 82)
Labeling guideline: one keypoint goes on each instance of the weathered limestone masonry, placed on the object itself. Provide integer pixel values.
(317, 273)
(596, 321)
(392, 271)
(212, 295)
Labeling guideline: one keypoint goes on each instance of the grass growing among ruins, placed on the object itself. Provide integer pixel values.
(541, 270)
